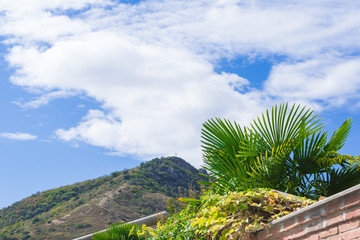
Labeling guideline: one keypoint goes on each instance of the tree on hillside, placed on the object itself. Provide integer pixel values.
(283, 149)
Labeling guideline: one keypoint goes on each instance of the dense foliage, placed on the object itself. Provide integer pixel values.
(284, 149)
(229, 216)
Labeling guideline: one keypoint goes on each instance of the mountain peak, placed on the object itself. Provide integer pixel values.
(92, 205)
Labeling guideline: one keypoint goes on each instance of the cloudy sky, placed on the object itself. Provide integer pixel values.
(89, 87)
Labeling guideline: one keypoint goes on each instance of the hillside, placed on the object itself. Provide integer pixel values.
(85, 207)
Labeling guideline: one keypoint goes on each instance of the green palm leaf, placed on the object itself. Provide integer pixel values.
(339, 137)
(283, 149)
(308, 150)
(277, 127)
(221, 141)
(338, 179)
(269, 171)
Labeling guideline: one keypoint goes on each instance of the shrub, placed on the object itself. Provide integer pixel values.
(229, 216)
(119, 231)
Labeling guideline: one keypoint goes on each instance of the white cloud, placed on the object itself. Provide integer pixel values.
(329, 79)
(223, 28)
(44, 99)
(40, 21)
(18, 136)
(151, 65)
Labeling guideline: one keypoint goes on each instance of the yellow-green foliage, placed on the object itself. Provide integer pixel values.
(227, 216)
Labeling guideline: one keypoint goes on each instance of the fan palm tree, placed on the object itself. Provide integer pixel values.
(284, 149)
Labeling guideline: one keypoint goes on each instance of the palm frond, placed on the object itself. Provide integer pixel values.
(338, 179)
(308, 151)
(271, 130)
(221, 141)
(339, 137)
(271, 171)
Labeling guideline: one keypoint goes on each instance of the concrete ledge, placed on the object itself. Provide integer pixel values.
(151, 220)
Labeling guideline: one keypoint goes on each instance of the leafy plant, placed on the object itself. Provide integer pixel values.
(229, 216)
(119, 231)
(283, 149)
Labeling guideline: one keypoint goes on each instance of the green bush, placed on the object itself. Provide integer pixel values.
(119, 231)
(229, 216)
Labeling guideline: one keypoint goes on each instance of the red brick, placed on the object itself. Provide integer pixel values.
(279, 237)
(352, 200)
(337, 237)
(328, 232)
(353, 214)
(353, 234)
(283, 237)
(349, 226)
(312, 237)
(336, 219)
(297, 233)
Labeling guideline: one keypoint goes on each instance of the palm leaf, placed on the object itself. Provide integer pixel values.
(338, 179)
(339, 137)
(271, 171)
(280, 126)
(308, 150)
(220, 143)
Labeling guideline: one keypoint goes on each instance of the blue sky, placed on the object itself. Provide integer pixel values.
(90, 87)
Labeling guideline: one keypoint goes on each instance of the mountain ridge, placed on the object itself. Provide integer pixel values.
(81, 208)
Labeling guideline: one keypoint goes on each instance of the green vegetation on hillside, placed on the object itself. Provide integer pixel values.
(92, 205)
(42, 202)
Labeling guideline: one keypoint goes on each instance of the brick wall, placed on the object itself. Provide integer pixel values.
(334, 218)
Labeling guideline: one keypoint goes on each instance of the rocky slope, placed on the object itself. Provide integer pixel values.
(85, 207)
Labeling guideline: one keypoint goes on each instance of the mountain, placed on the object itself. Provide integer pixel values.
(85, 207)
